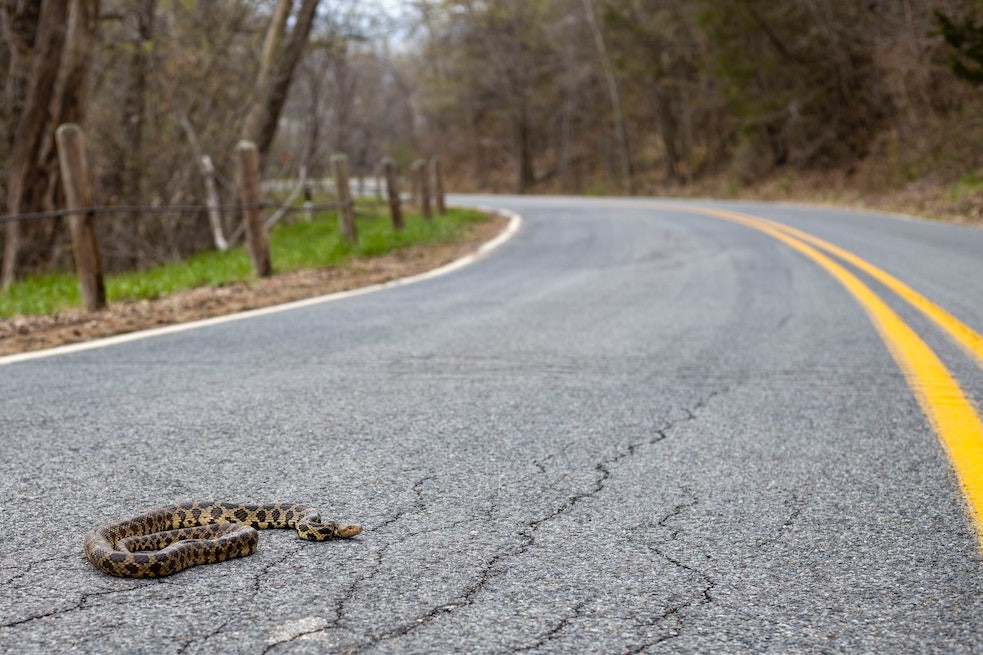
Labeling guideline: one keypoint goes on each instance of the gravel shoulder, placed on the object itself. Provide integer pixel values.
(28, 333)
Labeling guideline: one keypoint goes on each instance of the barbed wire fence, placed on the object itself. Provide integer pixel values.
(165, 209)
(81, 212)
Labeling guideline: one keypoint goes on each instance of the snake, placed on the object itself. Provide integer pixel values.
(170, 539)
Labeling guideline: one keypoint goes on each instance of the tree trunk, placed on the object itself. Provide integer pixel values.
(56, 93)
(565, 134)
(207, 169)
(621, 133)
(18, 29)
(24, 171)
(19, 25)
(140, 21)
(134, 100)
(71, 90)
(263, 118)
(74, 167)
(527, 174)
(344, 98)
(271, 50)
(668, 127)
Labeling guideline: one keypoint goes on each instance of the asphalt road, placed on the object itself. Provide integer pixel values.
(630, 429)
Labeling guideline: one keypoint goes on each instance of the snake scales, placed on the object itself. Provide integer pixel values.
(169, 539)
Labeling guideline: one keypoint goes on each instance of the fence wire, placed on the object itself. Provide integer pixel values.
(161, 209)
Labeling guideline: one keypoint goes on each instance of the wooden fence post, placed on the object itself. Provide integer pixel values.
(423, 183)
(392, 191)
(437, 173)
(248, 181)
(308, 201)
(346, 209)
(78, 193)
(415, 191)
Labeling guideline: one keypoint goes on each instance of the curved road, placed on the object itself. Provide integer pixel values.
(631, 429)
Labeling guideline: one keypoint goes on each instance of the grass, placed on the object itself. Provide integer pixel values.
(314, 244)
(968, 185)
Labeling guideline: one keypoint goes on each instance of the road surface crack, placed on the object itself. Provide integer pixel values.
(258, 578)
(203, 639)
(292, 631)
(704, 594)
(796, 508)
(417, 505)
(576, 613)
(487, 573)
(253, 591)
(494, 565)
(79, 605)
(25, 570)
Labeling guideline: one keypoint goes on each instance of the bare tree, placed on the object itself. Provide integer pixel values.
(55, 94)
(279, 64)
(614, 95)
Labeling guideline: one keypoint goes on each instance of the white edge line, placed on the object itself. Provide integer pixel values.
(515, 222)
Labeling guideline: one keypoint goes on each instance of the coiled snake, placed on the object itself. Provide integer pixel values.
(169, 539)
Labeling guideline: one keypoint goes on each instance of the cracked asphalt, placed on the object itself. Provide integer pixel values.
(627, 430)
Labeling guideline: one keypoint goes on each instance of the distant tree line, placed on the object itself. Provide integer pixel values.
(641, 95)
(604, 96)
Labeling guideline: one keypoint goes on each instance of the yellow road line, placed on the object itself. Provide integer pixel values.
(959, 331)
(947, 408)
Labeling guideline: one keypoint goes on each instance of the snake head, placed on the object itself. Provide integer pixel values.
(328, 530)
(347, 531)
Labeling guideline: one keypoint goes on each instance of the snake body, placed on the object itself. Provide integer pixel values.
(169, 539)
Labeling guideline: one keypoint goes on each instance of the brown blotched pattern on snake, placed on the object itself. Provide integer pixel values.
(169, 539)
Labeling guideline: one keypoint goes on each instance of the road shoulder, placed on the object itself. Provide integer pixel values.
(22, 334)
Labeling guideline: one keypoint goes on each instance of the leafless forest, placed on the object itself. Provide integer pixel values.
(575, 96)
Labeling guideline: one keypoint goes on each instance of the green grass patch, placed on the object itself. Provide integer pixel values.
(968, 185)
(314, 244)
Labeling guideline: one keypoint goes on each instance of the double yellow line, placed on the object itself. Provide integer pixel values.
(947, 408)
